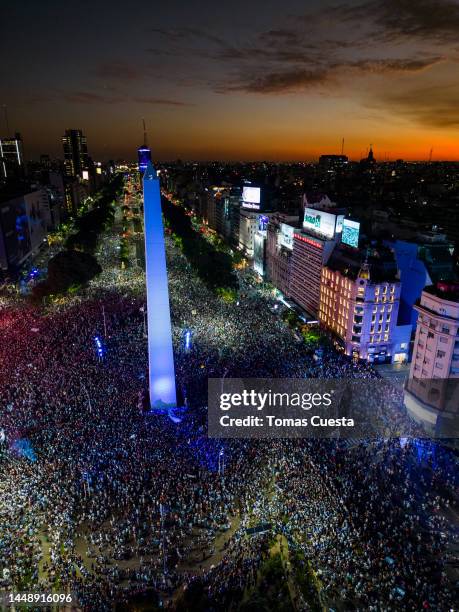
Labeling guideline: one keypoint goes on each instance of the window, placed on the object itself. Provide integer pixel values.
(445, 330)
(443, 340)
(430, 335)
(441, 354)
(439, 366)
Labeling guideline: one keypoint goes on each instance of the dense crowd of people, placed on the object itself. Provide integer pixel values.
(100, 499)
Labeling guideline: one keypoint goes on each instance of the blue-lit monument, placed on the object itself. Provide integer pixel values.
(144, 152)
(160, 355)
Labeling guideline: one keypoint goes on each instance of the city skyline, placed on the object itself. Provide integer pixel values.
(242, 82)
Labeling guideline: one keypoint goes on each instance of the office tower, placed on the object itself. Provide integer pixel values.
(76, 159)
(312, 247)
(160, 355)
(279, 248)
(11, 157)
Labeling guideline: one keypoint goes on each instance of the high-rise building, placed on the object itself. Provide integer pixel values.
(22, 227)
(312, 247)
(333, 163)
(76, 160)
(432, 389)
(359, 303)
(436, 346)
(11, 157)
(279, 249)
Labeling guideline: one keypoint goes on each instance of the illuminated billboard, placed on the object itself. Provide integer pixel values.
(286, 236)
(251, 197)
(320, 222)
(263, 221)
(351, 231)
(339, 224)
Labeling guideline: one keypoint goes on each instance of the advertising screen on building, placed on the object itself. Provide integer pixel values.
(251, 195)
(339, 224)
(259, 254)
(322, 223)
(351, 231)
(286, 236)
(263, 221)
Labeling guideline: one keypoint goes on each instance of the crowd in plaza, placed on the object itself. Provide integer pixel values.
(102, 500)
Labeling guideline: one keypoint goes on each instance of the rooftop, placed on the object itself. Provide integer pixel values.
(349, 262)
(444, 290)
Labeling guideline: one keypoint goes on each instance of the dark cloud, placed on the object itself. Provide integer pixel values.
(119, 71)
(161, 101)
(295, 80)
(436, 20)
(279, 82)
(432, 107)
(328, 49)
(88, 97)
(382, 66)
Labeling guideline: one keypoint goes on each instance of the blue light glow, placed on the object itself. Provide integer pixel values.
(160, 355)
(99, 347)
(144, 155)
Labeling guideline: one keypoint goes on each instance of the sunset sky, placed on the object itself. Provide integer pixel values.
(240, 79)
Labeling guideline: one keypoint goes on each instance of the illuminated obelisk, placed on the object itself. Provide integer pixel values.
(160, 355)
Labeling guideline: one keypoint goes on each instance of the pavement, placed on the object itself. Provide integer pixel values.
(395, 373)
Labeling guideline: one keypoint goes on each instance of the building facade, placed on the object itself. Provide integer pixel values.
(310, 254)
(432, 389)
(363, 314)
(436, 345)
(76, 160)
(22, 228)
(12, 157)
(279, 250)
